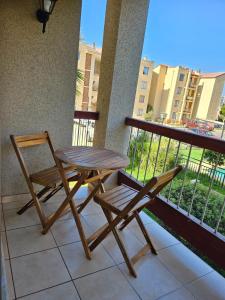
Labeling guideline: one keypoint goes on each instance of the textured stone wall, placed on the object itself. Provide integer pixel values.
(37, 81)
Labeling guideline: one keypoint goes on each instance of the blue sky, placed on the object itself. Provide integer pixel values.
(179, 32)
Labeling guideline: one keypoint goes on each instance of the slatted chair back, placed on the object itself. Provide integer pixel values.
(153, 187)
(33, 140)
(24, 141)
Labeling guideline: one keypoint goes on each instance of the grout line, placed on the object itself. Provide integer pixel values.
(10, 265)
(66, 265)
(35, 252)
(199, 277)
(44, 289)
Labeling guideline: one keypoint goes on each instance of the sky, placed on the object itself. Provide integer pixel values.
(178, 32)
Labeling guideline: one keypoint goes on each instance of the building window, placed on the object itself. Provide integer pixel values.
(178, 90)
(176, 103)
(141, 99)
(143, 85)
(174, 116)
(145, 70)
(140, 112)
(181, 77)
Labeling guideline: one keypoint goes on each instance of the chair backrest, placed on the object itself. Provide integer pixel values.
(24, 141)
(153, 187)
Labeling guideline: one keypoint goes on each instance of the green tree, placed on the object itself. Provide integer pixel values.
(149, 113)
(79, 79)
(214, 158)
(222, 113)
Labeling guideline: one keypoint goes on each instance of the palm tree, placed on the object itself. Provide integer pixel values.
(79, 79)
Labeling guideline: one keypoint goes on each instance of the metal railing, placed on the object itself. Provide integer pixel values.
(196, 198)
(83, 128)
(154, 149)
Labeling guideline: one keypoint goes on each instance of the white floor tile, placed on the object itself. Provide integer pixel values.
(153, 279)
(4, 245)
(183, 263)
(180, 294)
(79, 265)
(66, 231)
(13, 220)
(28, 240)
(65, 291)
(108, 284)
(159, 236)
(209, 287)
(10, 287)
(132, 244)
(38, 271)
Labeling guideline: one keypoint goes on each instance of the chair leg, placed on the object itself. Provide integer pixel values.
(144, 231)
(120, 244)
(53, 192)
(126, 222)
(31, 202)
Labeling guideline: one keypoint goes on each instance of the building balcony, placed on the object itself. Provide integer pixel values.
(190, 98)
(55, 266)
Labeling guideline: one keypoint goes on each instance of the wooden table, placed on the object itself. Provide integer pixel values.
(94, 165)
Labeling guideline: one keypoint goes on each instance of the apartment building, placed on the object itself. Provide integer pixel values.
(208, 98)
(179, 93)
(143, 88)
(89, 64)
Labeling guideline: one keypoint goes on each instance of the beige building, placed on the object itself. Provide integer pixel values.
(89, 64)
(179, 93)
(208, 98)
(143, 88)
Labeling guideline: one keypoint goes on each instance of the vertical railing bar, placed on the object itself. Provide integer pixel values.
(220, 216)
(157, 155)
(196, 182)
(142, 148)
(134, 154)
(128, 149)
(167, 151)
(78, 134)
(87, 127)
(147, 161)
(83, 130)
(74, 128)
(185, 172)
(210, 188)
(170, 188)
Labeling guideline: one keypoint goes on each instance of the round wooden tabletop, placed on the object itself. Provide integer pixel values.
(91, 158)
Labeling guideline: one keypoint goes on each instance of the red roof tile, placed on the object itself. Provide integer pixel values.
(212, 75)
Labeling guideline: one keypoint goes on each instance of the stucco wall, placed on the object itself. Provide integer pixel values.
(37, 83)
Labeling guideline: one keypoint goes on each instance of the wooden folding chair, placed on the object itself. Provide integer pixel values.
(126, 203)
(49, 178)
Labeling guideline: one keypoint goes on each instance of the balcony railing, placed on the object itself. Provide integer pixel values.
(83, 128)
(193, 206)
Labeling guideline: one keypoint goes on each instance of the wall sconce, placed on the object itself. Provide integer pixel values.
(45, 10)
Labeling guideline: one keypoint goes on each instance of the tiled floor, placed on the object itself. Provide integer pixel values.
(53, 266)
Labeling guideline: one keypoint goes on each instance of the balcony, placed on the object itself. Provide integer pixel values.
(38, 93)
(55, 267)
(176, 273)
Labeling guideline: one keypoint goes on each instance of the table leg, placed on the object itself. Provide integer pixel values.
(69, 201)
(93, 192)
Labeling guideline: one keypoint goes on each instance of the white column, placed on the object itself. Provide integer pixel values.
(121, 55)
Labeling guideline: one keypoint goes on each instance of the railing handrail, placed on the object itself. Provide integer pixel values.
(86, 115)
(214, 144)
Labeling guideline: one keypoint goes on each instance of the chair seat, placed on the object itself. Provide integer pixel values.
(51, 176)
(117, 198)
